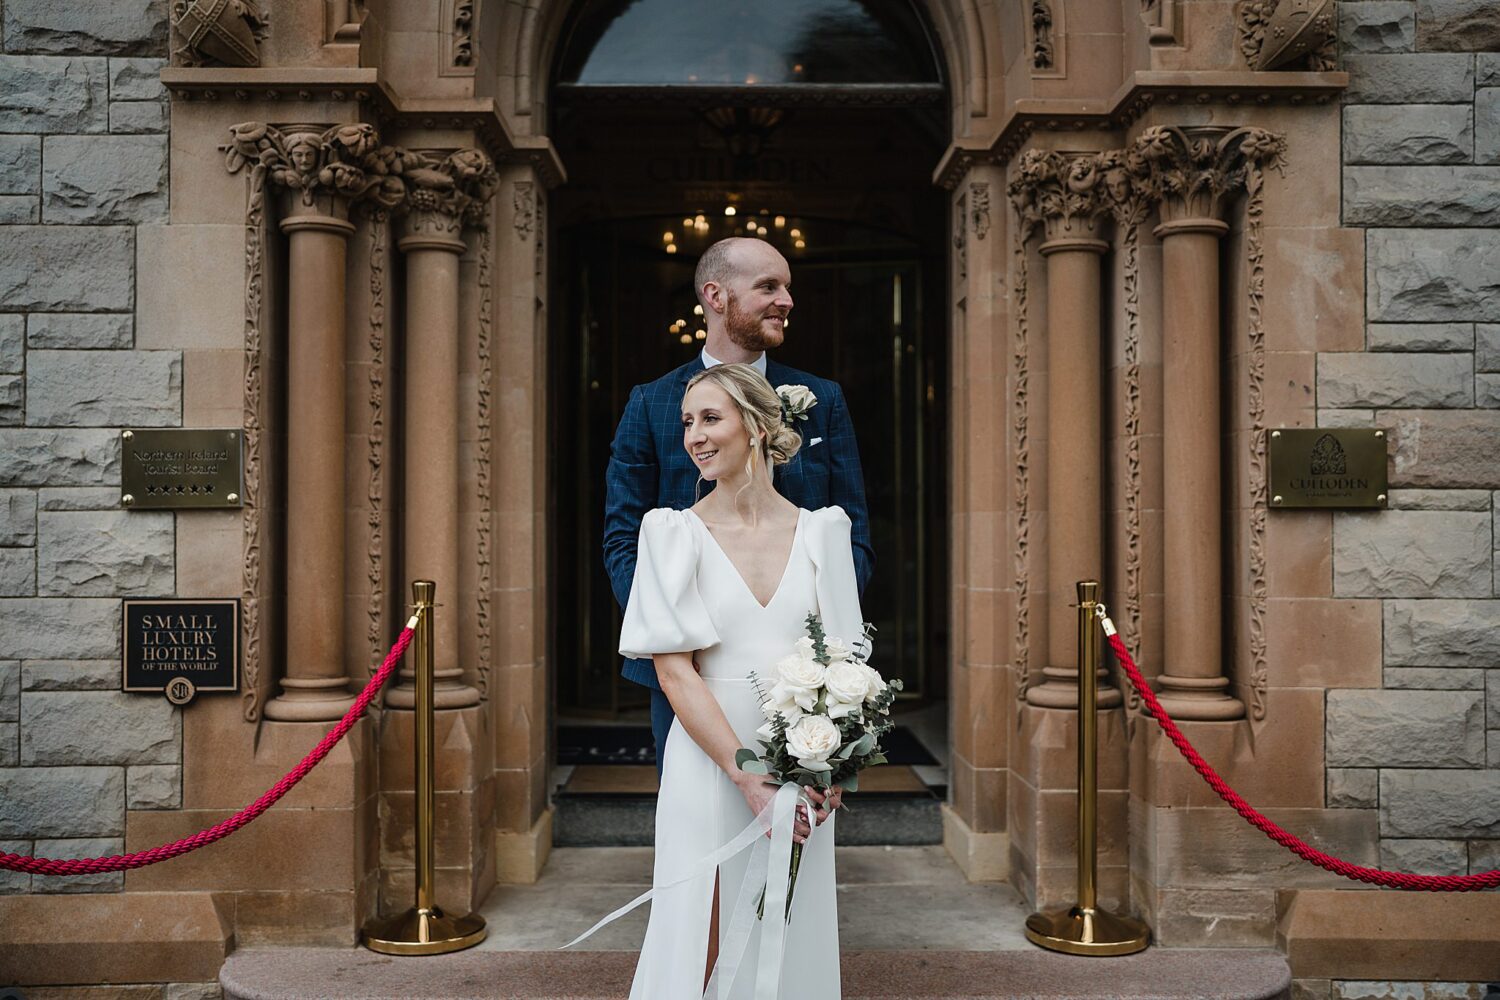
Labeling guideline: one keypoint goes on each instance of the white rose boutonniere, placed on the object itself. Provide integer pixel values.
(796, 400)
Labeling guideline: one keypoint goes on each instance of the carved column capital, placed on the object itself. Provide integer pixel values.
(1194, 170)
(1062, 192)
(319, 169)
(437, 193)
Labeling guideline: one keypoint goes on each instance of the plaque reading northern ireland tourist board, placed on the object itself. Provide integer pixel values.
(1327, 467)
(180, 467)
(181, 647)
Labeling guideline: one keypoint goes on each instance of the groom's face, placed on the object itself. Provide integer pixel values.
(758, 298)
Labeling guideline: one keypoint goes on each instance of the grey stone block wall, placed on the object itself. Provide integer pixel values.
(1421, 176)
(83, 162)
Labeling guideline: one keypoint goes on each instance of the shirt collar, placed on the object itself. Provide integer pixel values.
(759, 364)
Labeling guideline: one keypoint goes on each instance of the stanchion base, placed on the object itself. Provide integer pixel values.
(424, 932)
(1077, 931)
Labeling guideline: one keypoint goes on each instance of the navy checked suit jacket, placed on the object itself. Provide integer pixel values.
(649, 468)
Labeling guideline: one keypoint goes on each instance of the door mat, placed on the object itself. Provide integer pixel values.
(633, 745)
(635, 780)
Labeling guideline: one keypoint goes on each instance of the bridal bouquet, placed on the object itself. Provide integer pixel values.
(825, 713)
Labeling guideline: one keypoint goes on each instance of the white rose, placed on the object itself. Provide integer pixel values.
(799, 681)
(804, 647)
(875, 682)
(847, 682)
(813, 740)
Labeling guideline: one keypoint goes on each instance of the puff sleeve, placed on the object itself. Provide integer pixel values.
(832, 549)
(665, 613)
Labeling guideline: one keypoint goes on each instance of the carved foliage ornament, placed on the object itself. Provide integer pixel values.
(1280, 34)
(348, 160)
(1042, 54)
(979, 208)
(524, 204)
(463, 33)
(1060, 190)
(340, 160)
(443, 190)
(1193, 168)
(219, 32)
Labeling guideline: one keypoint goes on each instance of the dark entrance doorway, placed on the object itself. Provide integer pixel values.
(843, 189)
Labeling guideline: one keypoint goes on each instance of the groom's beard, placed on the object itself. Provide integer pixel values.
(746, 330)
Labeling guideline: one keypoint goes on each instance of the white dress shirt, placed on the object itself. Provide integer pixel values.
(759, 364)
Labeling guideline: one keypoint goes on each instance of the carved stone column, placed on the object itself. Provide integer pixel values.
(1194, 171)
(1067, 199)
(442, 193)
(318, 171)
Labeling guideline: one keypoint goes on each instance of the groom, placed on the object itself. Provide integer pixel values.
(744, 286)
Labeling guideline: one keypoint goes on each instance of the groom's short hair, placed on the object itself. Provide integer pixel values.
(715, 265)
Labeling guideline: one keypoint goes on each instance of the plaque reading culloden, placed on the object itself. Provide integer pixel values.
(181, 647)
(179, 467)
(1327, 467)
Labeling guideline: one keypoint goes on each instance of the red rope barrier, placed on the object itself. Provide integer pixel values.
(1374, 876)
(121, 862)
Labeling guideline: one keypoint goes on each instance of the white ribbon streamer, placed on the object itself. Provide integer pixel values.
(773, 923)
(733, 944)
(765, 859)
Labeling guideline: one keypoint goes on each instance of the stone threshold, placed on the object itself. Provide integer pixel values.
(1158, 973)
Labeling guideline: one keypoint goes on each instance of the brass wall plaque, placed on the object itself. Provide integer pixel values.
(1327, 467)
(180, 647)
(181, 467)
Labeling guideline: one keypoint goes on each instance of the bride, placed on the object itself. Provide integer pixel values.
(720, 591)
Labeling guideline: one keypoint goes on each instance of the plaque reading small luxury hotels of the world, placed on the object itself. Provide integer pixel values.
(1327, 467)
(181, 647)
(180, 467)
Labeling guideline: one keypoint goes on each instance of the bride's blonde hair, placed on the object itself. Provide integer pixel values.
(759, 407)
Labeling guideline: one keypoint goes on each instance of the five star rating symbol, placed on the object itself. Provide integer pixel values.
(178, 489)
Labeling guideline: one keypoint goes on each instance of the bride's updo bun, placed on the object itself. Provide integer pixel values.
(759, 407)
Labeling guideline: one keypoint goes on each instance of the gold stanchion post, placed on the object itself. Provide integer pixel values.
(424, 929)
(1087, 928)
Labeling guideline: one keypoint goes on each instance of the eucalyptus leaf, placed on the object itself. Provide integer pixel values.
(851, 783)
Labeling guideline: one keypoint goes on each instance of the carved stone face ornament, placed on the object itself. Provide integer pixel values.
(302, 152)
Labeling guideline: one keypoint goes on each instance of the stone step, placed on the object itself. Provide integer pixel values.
(1160, 974)
(630, 820)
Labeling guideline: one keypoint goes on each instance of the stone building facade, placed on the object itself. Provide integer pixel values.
(326, 224)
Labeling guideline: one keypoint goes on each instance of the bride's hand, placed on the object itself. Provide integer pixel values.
(759, 793)
(826, 803)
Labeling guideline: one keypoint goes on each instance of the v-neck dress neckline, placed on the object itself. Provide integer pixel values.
(781, 581)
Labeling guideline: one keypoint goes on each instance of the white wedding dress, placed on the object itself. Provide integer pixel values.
(687, 595)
